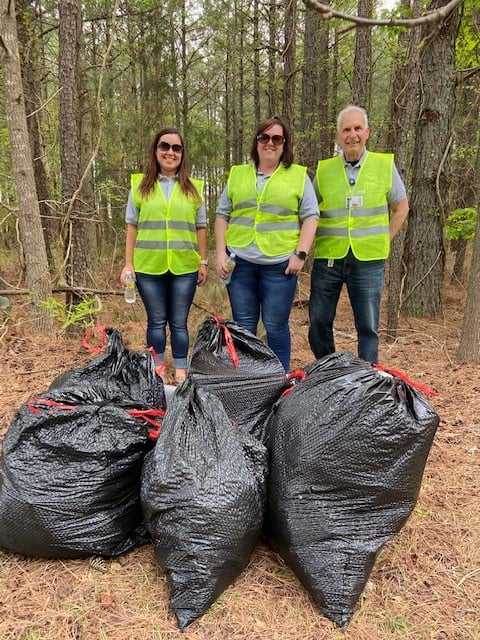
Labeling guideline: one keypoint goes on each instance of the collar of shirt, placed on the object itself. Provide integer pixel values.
(167, 185)
(358, 163)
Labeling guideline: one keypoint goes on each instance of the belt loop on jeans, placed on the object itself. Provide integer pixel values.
(330, 262)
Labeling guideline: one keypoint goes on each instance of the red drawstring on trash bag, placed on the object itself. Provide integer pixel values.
(399, 374)
(293, 378)
(98, 330)
(148, 415)
(228, 340)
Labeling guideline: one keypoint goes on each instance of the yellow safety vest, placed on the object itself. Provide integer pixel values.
(355, 216)
(269, 218)
(166, 231)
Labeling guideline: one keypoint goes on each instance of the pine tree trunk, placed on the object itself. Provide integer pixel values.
(402, 103)
(31, 62)
(469, 347)
(289, 63)
(362, 65)
(424, 243)
(30, 227)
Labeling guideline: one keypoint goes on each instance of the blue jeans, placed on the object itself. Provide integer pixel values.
(258, 290)
(364, 280)
(167, 299)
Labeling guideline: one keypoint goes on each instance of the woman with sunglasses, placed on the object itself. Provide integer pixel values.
(166, 245)
(267, 216)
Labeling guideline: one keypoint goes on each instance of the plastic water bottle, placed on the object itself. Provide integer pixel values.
(230, 266)
(130, 294)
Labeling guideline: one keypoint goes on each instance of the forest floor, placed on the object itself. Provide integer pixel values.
(425, 584)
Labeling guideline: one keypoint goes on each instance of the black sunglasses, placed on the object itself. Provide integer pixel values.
(277, 139)
(164, 146)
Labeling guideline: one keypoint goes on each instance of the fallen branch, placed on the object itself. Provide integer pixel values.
(77, 290)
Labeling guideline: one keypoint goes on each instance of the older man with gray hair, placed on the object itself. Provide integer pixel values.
(363, 204)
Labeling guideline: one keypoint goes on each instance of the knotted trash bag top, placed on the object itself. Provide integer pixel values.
(72, 458)
(123, 375)
(240, 369)
(348, 447)
(203, 496)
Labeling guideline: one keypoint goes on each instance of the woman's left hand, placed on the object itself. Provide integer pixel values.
(202, 276)
(295, 265)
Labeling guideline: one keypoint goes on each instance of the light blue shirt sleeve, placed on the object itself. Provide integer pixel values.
(308, 202)
(224, 205)
(398, 191)
(131, 212)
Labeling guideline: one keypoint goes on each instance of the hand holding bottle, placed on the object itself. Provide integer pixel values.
(130, 293)
(230, 265)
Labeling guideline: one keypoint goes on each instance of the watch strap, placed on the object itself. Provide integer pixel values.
(301, 254)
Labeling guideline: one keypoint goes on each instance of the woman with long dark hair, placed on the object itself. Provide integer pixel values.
(166, 245)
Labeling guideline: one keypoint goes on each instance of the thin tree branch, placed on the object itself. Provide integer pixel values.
(42, 106)
(10, 210)
(64, 289)
(432, 17)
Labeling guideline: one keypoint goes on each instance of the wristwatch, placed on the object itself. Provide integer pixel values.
(301, 254)
(204, 262)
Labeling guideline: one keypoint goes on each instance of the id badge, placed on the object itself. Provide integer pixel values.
(353, 202)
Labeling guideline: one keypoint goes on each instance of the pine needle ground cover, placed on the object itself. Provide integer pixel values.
(425, 584)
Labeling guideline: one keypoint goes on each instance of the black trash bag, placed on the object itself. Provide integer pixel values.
(348, 447)
(203, 496)
(72, 457)
(240, 369)
(122, 375)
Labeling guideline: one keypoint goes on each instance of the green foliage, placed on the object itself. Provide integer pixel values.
(7, 186)
(467, 49)
(461, 223)
(81, 314)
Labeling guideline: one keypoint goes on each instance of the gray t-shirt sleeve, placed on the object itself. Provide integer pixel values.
(308, 207)
(201, 219)
(224, 205)
(398, 191)
(131, 211)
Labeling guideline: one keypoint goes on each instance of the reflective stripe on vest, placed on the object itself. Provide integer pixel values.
(165, 244)
(270, 218)
(364, 228)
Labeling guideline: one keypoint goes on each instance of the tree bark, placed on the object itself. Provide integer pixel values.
(362, 65)
(469, 346)
(424, 243)
(90, 231)
(289, 54)
(76, 223)
(30, 227)
(402, 102)
(256, 61)
(272, 58)
(325, 147)
(459, 248)
(467, 169)
(315, 138)
(31, 61)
